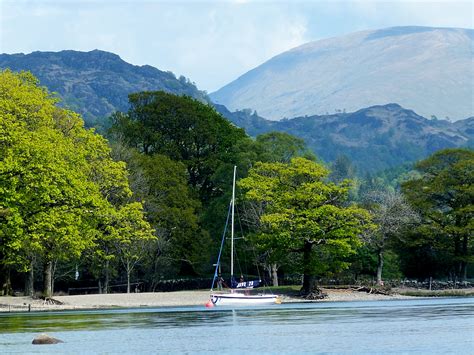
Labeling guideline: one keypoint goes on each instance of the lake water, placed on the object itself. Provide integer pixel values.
(442, 326)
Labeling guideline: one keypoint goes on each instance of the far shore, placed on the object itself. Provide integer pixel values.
(159, 299)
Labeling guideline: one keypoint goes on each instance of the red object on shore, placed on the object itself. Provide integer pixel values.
(209, 304)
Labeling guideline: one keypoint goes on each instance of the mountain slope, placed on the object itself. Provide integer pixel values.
(96, 83)
(374, 138)
(429, 70)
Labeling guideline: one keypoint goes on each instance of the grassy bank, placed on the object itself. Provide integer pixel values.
(435, 293)
(293, 290)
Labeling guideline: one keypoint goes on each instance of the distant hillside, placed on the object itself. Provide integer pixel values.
(374, 138)
(428, 70)
(96, 83)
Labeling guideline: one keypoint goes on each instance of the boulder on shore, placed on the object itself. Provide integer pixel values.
(45, 339)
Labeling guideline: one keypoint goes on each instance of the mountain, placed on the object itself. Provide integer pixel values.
(374, 138)
(429, 70)
(96, 83)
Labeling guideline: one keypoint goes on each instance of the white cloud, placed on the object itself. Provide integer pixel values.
(210, 43)
(439, 13)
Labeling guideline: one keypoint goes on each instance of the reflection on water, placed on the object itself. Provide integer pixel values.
(434, 325)
(108, 319)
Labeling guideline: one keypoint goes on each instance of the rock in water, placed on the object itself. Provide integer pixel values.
(46, 339)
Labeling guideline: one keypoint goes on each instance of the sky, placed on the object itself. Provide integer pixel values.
(209, 42)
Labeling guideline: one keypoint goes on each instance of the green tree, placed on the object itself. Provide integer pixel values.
(183, 129)
(173, 211)
(306, 214)
(270, 147)
(342, 169)
(43, 180)
(131, 235)
(194, 136)
(444, 196)
(281, 147)
(57, 179)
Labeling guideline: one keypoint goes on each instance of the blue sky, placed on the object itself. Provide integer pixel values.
(211, 42)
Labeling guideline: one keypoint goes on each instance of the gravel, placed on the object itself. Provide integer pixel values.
(156, 299)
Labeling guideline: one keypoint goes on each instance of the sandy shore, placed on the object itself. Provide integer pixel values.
(156, 299)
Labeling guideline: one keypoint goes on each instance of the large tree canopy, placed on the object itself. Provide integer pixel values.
(182, 137)
(183, 129)
(58, 182)
(44, 184)
(304, 213)
(280, 147)
(444, 197)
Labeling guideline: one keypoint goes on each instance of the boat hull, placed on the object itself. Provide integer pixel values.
(236, 299)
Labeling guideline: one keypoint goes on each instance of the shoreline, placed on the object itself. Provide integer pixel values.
(197, 298)
(159, 299)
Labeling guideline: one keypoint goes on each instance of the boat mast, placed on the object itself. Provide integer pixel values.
(232, 228)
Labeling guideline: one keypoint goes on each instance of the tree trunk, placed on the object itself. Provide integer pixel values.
(53, 275)
(380, 267)
(128, 278)
(7, 283)
(106, 280)
(463, 274)
(47, 279)
(457, 254)
(30, 281)
(308, 277)
(100, 286)
(274, 271)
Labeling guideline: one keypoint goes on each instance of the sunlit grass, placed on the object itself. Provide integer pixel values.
(437, 293)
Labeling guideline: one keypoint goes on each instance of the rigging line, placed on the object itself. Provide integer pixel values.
(265, 286)
(253, 249)
(234, 251)
(242, 233)
(222, 245)
(238, 260)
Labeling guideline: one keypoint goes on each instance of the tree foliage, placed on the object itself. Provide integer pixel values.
(183, 129)
(171, 207)
(66, 197)
(57, 179)
(306, 214)
(281, 147)
(444, 197)
(342, 169)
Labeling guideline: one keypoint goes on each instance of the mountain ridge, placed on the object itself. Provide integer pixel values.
(374, 138)
(96, 83)
(428, 69)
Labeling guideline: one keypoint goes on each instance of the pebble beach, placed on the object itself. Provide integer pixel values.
(157, 299)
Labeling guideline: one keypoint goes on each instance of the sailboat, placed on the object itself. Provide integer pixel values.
(235, 297)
